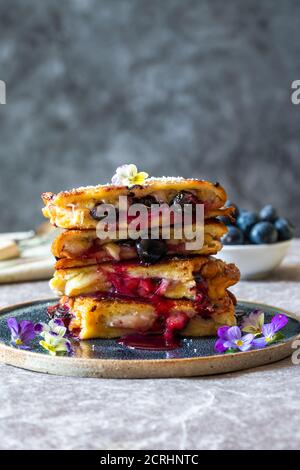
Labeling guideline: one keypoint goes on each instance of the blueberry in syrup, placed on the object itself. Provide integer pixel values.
(94, 213)
(246, 220)
(184, 197)
(198, 278)
(284, 228)
(263, 232)
(146, 201)
(150, 251)
(234, 236)
(268, 213)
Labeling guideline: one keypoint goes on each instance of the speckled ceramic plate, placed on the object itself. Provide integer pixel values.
(107, 358)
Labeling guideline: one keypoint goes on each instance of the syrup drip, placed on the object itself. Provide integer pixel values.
(62, 312)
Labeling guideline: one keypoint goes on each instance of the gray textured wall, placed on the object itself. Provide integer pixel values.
(180, 87)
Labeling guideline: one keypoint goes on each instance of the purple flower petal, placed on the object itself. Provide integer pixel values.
(222, 332)
(27, 331)
(25, 324)
(20, 332)
(259, 343)
(23, 346)
(247, 342)
(279, 322)
(13, 325)
(219, 346)
(230, 344)
(69, 347)
(268, 330)
(245, 347)
(38, 328)
(58, 322)
(248, 338)
(234, 333)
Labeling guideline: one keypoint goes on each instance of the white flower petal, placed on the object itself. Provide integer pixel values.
(127, 175)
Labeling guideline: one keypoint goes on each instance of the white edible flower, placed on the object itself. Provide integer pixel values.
(128, 175)
(55, 326)
(55, 344)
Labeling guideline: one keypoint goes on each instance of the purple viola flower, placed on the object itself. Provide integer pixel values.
(231, 338)
(21, 332)
(270, 331)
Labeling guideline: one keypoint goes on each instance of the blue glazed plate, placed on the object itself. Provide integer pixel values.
(107, 358)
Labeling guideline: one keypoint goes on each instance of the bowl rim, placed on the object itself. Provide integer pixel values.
(252, 247)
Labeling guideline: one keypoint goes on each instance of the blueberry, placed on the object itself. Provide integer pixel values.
(268, 213)
(146, 200)
(284, 228)
(234, 236)
(98, 214)
(263, 232)
(246, 220)
(150, 251)
(94, 213)
(184, 197)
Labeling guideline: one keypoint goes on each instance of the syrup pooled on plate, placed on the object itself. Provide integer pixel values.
(151, 342)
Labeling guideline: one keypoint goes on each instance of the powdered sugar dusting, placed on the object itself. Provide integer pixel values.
(152, 179)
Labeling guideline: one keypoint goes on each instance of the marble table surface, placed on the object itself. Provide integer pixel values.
(256, 409)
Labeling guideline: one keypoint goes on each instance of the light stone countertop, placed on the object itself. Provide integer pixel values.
(258, 408)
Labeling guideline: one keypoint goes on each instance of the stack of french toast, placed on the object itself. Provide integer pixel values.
(116, 286)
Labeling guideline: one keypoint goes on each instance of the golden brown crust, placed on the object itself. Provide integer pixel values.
(112, 192)
(224, 314)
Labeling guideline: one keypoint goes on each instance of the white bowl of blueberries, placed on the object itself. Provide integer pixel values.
(256, 242)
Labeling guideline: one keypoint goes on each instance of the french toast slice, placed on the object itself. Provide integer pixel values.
(85, 245)
(96, 317)
(172, 278)
(75, 209)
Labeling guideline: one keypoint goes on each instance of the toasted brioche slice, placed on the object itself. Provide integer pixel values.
(85, 245)
(93, 317)
(172, 278)
(73, 209)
